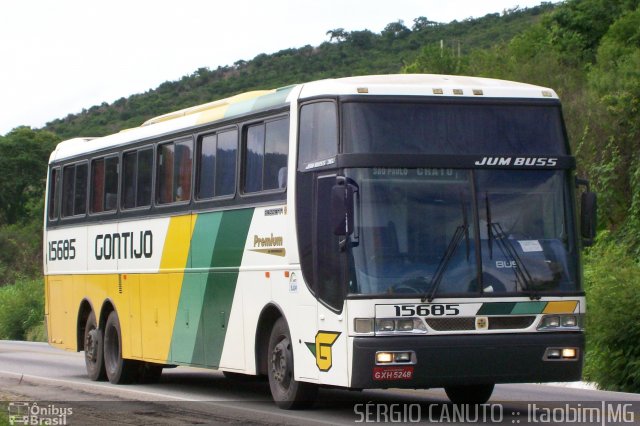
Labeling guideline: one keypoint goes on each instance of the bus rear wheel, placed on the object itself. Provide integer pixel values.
(287, 392)
(119, 370)
(94, 350)
(469, 394)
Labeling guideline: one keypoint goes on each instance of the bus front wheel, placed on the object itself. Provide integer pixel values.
(287, 392)
(469, 394)
(119, 370)
(93, 349)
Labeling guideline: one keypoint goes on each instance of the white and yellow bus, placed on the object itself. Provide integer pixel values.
(367, 232)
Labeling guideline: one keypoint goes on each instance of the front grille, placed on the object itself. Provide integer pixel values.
(511, 322)
(452, 324)
(469, 323)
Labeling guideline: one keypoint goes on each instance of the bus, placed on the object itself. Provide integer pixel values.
(393, 231)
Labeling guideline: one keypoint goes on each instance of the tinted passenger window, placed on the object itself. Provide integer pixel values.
(104, 184)
(217, 174)
(54, 186)
(136, 185)
(74, 190)
(318, 133)
(267, 146)
(174, 172)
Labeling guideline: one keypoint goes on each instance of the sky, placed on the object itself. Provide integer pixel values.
(60, 56)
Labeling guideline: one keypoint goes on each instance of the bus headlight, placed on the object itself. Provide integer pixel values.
(560, 322)
(385, 325)
(569, 321)
(404, 325)
(400, 325)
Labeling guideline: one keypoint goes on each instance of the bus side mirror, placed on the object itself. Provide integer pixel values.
(342, 207)
(588, 217)
(588, 214)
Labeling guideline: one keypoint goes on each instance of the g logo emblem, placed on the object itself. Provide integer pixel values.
(322, 348)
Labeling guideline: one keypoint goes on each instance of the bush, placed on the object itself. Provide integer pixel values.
(22, 310)
(612, 281)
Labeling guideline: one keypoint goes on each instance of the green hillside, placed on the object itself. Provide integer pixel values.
(348, 53)
(587, 50)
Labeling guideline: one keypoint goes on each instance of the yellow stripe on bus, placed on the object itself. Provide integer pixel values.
(160, 293)
(561, 307)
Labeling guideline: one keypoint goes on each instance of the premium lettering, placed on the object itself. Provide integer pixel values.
(270, 241)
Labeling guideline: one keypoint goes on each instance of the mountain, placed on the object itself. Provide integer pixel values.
(347, 53)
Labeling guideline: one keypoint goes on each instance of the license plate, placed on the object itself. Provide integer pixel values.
(393, 373)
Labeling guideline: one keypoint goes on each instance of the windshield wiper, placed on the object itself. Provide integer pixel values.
(462, 230)
(495, 231)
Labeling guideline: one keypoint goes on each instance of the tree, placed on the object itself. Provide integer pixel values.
(421, 22)
(338, 34)
(395, 30)
(436, 60)
(24, 154)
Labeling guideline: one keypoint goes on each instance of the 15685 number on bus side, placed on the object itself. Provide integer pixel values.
(62, 249)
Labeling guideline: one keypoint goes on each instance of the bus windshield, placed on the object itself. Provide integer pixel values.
(446, 232)
(453, 128)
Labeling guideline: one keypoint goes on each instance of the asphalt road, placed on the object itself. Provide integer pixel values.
(55, 381)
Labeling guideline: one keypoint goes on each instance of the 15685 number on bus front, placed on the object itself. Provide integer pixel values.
(435, 310)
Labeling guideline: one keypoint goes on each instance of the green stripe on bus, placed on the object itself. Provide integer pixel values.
(207, 296)
(523, 308)
(279, 97)
(498, 308)
(188, 316)
(511, 308)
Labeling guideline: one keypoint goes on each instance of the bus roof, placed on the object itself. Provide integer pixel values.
(246, 103)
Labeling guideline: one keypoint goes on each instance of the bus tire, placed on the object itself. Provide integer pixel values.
(287, 392)
(94, 350)
(119, 370)
(469, 394)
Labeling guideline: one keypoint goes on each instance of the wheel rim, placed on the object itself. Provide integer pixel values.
(281, 363)
(91, 346)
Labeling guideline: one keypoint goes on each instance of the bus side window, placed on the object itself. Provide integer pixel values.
(68, 181)
(80, 190)
(174, 172)
(144, 177)
(54, 188)
(111, 184)
(266, 151)
(217, 164)
(104, 184)
(318, 133)
(137, 172)
(74, 190)
(97, 185)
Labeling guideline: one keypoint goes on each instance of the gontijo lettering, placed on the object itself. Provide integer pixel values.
(124, 245)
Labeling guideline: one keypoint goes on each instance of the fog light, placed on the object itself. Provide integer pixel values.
(404, 325)
(385, 325)
(363, 325)
(569, 353)
(384, 357)
(402, 357)
(569, 321)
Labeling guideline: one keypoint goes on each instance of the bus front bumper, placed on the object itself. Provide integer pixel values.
(466, 359)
